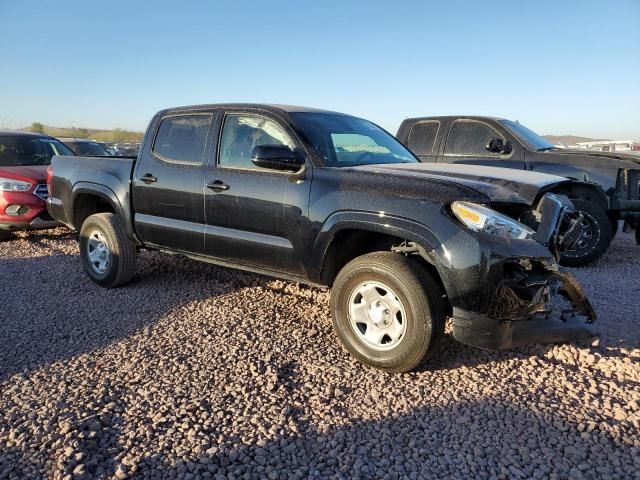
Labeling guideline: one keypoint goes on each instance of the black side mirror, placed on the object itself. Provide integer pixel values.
(496, 145)
(277, 157)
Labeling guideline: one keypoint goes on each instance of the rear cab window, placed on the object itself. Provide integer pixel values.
(182, 138)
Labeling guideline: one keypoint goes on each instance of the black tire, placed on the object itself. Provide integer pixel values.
(596, 239)
(5, 235)
(415, 290)
(120, 266)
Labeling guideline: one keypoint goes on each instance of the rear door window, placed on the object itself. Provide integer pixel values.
(422, 137)
(182, 138)
(470, 137)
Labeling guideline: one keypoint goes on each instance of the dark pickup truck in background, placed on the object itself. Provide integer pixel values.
(331, 200)
(606, 188)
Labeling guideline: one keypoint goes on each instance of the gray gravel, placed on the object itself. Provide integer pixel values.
(195, 371)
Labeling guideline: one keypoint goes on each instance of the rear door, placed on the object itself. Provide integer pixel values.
(168, 183)
(423, 139)
(255, 216)
(466, 142)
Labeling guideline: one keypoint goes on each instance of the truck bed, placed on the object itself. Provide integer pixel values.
(72, 173)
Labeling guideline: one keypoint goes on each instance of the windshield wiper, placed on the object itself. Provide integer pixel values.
(546, 149)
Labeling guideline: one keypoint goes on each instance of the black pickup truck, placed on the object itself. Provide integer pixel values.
(606, 187)
(331, 200)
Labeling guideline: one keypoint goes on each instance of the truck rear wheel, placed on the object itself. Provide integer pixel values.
(387, 310)
(107, 255)
(595, 237)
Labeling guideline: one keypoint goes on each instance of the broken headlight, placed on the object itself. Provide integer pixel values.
(482, 219)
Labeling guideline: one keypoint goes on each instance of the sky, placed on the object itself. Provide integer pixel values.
(559, 67)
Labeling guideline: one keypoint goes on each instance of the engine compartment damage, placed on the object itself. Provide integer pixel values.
(530, 287)
(534, 303)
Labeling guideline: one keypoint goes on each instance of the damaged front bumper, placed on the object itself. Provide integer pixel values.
(558, 311)
(506, 293)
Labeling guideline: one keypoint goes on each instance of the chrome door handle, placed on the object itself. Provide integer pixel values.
(218, 186)
(148, 178)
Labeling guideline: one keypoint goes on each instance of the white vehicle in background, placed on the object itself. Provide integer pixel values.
(628, 146)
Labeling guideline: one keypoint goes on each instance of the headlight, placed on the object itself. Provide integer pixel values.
(483, 219)
(10, 185)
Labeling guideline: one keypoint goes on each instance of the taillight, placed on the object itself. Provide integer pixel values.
(49, 178)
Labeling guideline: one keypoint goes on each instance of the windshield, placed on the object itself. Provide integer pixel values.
(344, 141)
(21, 151)
(531, 139)
(88, 148)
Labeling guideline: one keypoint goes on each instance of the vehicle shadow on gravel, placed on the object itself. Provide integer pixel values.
(51, 311)
(458, 441)
(450, 354)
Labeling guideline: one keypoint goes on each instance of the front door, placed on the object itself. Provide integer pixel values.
(466, 143)
(168, 185)
(255, 216)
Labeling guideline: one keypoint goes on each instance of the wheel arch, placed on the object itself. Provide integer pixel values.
(347, 235)
(90, 198)
(588, 191)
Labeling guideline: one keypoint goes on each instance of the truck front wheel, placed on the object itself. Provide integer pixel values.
(387, 310)
(107, 255)
(594, 239)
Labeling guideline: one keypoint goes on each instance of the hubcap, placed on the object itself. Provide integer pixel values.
(98, 252)
(376, 315)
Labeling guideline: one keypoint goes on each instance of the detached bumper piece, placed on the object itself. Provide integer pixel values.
(532, 305)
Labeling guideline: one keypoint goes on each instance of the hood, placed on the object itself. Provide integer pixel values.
(32, 173)
(589, 157)
(501, 185)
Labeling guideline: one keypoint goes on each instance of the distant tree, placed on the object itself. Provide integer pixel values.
(119, 135)
(37, 127)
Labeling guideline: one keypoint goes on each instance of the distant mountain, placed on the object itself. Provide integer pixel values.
(570, 139)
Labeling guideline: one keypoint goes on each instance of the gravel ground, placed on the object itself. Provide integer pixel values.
(195, 371)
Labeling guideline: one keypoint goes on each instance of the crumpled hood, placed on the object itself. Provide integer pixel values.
(33, 173)
(501, 185)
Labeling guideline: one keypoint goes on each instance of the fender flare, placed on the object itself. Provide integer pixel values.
(105, 193)
(374, 223)
(574, 188)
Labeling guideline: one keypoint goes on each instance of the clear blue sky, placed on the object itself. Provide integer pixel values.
(557, 66)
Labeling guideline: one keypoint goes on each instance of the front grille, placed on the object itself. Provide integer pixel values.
(41, 191)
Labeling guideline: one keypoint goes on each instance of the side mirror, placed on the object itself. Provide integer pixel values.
(277, 157)
(496, 145)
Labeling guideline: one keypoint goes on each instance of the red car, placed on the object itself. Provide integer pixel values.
(24, 158)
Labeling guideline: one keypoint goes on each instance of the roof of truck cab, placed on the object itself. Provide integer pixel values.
(454, 117)
(273, 107)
